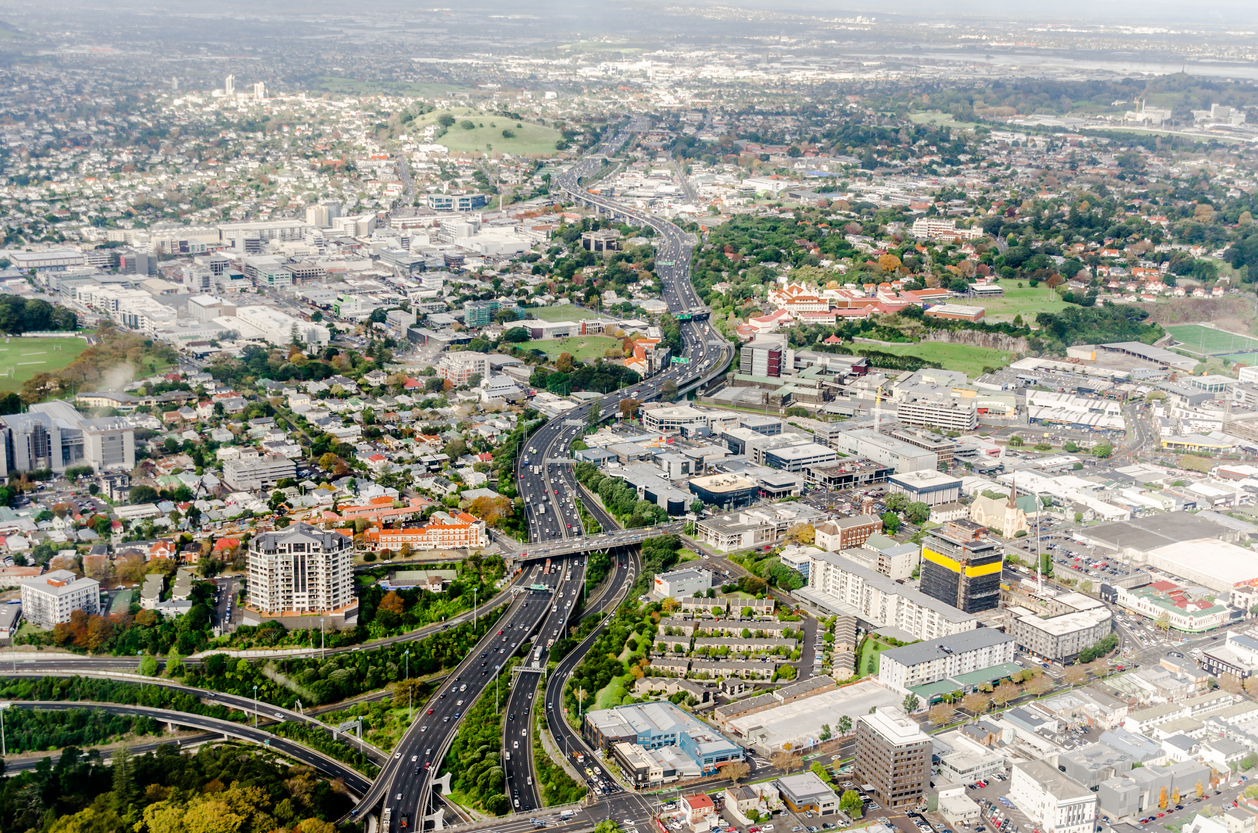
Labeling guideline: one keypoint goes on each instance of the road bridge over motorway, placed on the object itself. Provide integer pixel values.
(594, 543)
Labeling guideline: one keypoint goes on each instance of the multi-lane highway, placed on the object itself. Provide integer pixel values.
(353, 779)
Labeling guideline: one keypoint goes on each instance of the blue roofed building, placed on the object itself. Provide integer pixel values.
(658, 725)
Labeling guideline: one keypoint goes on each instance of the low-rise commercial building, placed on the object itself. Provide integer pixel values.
(928, 487)
(253, 472)
(661, 724)
(1056, 803)
(806, 791)
(846, 533)
(444, 531)
(725, 491)
(758, 526)
(683, 583)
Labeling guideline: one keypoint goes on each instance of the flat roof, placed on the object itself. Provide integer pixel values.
(800, 722)
(920, 652)
(1154, 531)
(1220, 560)
(924, 478)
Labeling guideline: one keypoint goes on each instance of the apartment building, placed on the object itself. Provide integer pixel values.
(458, 368)
(1060, 638)
(53, 435)
(938, 659)
(839, 585)
(765, 355)
(893, 756)
(846, 533)
(49, 599)
(962, 567)
(301, 570)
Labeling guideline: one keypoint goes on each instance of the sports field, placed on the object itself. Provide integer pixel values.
(22, 358)
(1209, 341)
(478, 132)
(1023, 301)
(582, 348)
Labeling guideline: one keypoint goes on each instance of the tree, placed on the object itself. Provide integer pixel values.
(889, 263)
(1164, 621)
(941, 713)
(736, 771)
(917, 513)
(1039, 684)
(976, 703)
(1175, 796)
(890, 523)
(1005, 693)
(1076, 675)
(910, 703)
(564, 364)
(1102, 451)
(1201, 790)
(850, 803)
(826, 734)
(801, 534)
(1230, 683)
(668, 390)
(785, 761)
(845, 724)
(629, 408)
(1162, 798)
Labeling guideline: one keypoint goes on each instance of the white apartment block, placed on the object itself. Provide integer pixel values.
(301, 569)
(674, 418)
(255, 472)
(935, 227)
(938, 409)
(50, 599)
(458, 368)
(839, 585)
(1054, 802)
(134, 309)
(938, 659)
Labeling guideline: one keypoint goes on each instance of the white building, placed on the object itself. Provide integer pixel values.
(682, 584)
(938, 659)
(274, 327)
(301, 569)
(255, 472)
(839, 585)
(1055, 803)
(51, 598)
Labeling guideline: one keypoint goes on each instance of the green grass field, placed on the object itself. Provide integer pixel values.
(962, 357)
(868, 662)
(22, 358)
(486, 135)
(1200, 340)
(582, 348)
(939, 119)
(561, 312)
(1026, 302)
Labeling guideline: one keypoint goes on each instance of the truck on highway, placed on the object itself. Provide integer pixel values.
(386, 821)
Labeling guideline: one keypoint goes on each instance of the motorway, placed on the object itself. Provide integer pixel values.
(354, 780)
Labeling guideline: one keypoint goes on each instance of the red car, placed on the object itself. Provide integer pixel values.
(430, 711)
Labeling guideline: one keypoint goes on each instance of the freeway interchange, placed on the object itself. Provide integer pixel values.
(546, 484)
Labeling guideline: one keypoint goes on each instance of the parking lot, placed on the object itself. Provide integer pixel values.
(998, 812)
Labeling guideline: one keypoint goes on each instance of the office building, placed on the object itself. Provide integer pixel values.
(660, 725)
(1053, 801)
(937, 407)
(456, 202)
(274, 327)
(682, 584)
(765, 355)
(839, 585)
(869, 444)
(754, 527)
(929, 487)
(944, 448)
(799, 457)
(846, 533)
(253, 472)
(301, 570)
(893, 756)
(725, 491)
(938, 659)
(49, 599)
(962, 567)
(806, 791)
(442, 532)
(53, 435)
(1060, 638)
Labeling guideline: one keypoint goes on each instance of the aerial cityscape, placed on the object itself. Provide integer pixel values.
(743, 417)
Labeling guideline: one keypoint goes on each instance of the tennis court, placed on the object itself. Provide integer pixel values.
(1201, 340)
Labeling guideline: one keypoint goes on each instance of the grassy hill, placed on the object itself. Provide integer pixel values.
(485, 133)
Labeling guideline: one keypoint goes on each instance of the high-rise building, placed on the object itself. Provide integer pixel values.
(259, 91)
(229, 85)
(301, 570)
(50, 599)
(765, 355)
(962, 566)
(893, 756)
(53, 435)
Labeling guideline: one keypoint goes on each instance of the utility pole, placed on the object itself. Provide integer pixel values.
(255, 707)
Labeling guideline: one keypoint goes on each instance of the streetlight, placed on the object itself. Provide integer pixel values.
(4, 746)
(410, 714)
(255, 707)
